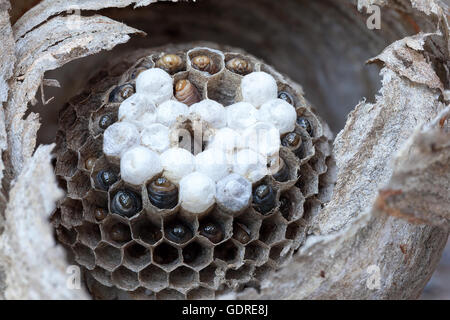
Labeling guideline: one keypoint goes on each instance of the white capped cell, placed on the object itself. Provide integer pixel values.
(119, 137)
(155, 83)
(155, 137)
(177, 163)
(280, 113)
(168, 112)
(139, 164)
(213, 163)
(197, 192)
(226, 139)
(233, 192)
(250, 165)
(258, 87)
(139, 109)
(241, 115)
(211, 112)
(262, 137)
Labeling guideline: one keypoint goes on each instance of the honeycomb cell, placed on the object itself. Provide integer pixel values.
(103, 276)
(66, 236)
(146, 231)
(229, 251)
(89, 153)
(89, 234)
(256, 251)
(66, 164)
(218, 88)
(95, 206)
(124, 201)
(169, 294)
(125, 279)
(102, 119)
(108, 257)
(77, 135)
(208, 275)
(205, 61)
(71, 213)
(183, 277)
(104, 174)
(215, 226)
(263, 271)
(178, 229)
(78, 185)
(295, 230)
(142, 294)
(197, 254)
(84, 256)
(200, 293)
(272, 230)
(116, 232)
(166, 255)
(291, 204)
(246, 226)
(281, 252)
(242, 274)
(154, 278)
(136, 256)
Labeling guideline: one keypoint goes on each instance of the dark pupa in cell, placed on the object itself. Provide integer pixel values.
(204, 63)
(292, 140)
(286, 96)
(105, 179)
(105, 121)
(239, 66)
(282, 175)
(264, 199)
(162, 193)
(171, 63)
(89, 163)
(186, 92)
(241, 233)
(212, 231)
(126, 203)
(119, 233)
(121, 93)
(100, 214)
(178, 232)
(285, 206)
(305, 124)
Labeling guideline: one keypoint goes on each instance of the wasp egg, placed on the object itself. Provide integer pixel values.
(286, 96)
(156, 83)
(105, 121)
(119, 137)
(89, 163)
(262, 137)
(211, 112)
(204, 63)
(186, 92)
(119, 233)
(213, 163)
(126, 203)
(212, 231)
(258, 87)
(197, 192)
(241, 233)
(239, 66)
(177, 163)
(139, 164)
(168, 112)
(121, 93)
(280, 113)
(162, 193)
(170, 63)
(105, 179)
(264, 199)
(139, 109)
(178, 232)
(241, 115)
(250, 165)
(155, 137)
(100, 214)
(233, 193)
(305, 124)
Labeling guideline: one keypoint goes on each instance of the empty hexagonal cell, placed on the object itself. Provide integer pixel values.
(79, 185)
(89, 234)
(89, 153)
(183, 277)
(146, 231)
(208, 274)
(99, 291)
(136, 256)
(71, 212)
(169, 294)
(308, 181)
(243, 273)
(256, 251)
(295, 230)
(291, 204)
(108, 257)
(115, 231)
(229, 251)
(281, 252)
(66, 164)
(84, 256)
(200, 293)
(95, 206)
(62, 183)
(197, 254)
(154, 278)
(125, 279)
(166, 255)
(311, 208)
(66, 236)
(261, 273)
(326, 181)
(103, 276)
(78, 134)
(179, 229)
(272, 229)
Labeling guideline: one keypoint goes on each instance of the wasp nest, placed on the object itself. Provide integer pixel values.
(192, 172)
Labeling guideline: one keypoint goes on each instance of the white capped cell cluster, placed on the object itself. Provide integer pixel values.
(212, 152)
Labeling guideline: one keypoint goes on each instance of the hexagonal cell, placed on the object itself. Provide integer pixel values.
(295, 230)
(291, 204)
(115, 231)
(242, 274)
(208, 275)
(165, 61)
(263, 271)
(179, 229)
(125, 201)
(89, 153)
(136, 257)
(165, 254)
(169, 294)
(154, 278)
(108, 257)
(205, 61)
(103, 118)
(183, 277)
(62, 183)
(121, 92)
(216, 226)
(71, 213)
(66, 164)
(219, 88)
(145, 231)
(200, 293)
(197, 254)
(229, 251)
(78, 134)
(264, 197)
(239, 64)
(99, 291)
(66, 236)
(103, 276)
(78, 185)
(246, 226)
(272, 229)
(309, 181)
(256, 251)
(125, 279)
(84, 256)
(89, 234)
(95, 206)
(142, 294)
(287, 93)
(326, 181)
(281, 252)
(312, 208)
(104, 174)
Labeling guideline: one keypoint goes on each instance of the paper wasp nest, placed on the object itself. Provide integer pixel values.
(192, 172)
